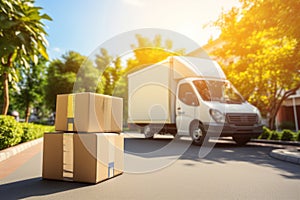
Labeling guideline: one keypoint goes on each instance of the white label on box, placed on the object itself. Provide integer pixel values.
(111, 167)
(111, 157)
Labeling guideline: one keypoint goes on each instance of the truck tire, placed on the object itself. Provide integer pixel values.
(148, 132)
(240, 140)
(197, 133)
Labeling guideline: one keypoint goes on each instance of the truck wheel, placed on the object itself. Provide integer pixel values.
(197, 133)
(148, 132)
(240, 140)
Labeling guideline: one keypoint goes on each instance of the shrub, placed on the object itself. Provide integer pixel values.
(10, 132)
(275, 135)
(266, 133)
(31, 132)
(298, 137)
(48, 128)
(34, 131)
(287, 135)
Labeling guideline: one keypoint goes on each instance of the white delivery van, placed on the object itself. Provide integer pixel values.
(189, 96)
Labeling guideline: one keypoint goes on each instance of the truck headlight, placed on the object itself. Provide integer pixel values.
(217, 115)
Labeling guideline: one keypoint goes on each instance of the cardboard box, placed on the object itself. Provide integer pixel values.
(68, 156)
(88, 112)
(89, 158)
(98, 157)
(53, 156)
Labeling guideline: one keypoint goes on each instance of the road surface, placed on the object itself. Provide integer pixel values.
(227, 172)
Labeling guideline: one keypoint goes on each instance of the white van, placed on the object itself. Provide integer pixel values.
(189, 96)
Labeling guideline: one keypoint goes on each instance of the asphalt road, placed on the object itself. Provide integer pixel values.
(227, 172)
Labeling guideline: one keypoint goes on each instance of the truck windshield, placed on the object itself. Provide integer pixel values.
(221, 91)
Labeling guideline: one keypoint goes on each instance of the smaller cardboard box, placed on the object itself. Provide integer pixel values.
(88, 112)
(90, 158)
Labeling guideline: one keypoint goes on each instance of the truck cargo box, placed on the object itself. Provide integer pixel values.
(152, 90)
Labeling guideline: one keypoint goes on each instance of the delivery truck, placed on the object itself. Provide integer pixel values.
(189, 96)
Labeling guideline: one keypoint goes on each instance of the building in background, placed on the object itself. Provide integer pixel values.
(289, 113)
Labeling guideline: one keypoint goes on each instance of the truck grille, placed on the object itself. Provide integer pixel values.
(242, 119)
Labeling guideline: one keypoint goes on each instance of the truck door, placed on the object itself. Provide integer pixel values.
(186, 104)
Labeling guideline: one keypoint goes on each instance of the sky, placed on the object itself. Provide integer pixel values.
(83, 25)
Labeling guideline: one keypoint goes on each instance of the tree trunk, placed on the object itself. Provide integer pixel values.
(5, 84)
(272, 122)
(5, 94)
(27, 113)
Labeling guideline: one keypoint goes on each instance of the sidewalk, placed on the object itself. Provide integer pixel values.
(9, 152)
(289, 155)
(289, 150)
(14, 157)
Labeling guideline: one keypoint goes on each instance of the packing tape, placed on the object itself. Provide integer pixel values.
(70, 112)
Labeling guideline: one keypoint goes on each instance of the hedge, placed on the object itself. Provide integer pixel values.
(287, 135)
(266, 133)
(34, 131)
(284, 135)
(275, 135)
(13, 132)
(10, 132)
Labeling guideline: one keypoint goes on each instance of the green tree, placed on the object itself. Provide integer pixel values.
(58, 82)
(22, 39)
(148, 52)
(111, 70)
(260, 52)
(31, 88)
(66, 75)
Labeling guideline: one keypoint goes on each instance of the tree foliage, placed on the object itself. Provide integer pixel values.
(149, 51)
(260, 54)
(22, 39)
(110, 69)
(63, 74)
(30, 93)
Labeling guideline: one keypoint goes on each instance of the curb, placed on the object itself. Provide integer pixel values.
(292, 156)
(11, 151)
(291, 143)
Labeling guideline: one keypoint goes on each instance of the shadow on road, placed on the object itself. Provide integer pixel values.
(35, 187)
(222, 153)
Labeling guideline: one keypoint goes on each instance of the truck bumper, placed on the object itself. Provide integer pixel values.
(226, 130)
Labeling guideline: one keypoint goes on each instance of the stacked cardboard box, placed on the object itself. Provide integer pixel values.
(88, 112)
(88, 145)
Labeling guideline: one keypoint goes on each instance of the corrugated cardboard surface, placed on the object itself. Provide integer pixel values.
(98, 156)
(61, 112)
(53, 156)
(91, 113)
(68, 156)
(117, 114)
(90, 158)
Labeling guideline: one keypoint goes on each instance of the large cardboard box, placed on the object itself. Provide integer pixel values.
(98, 157)
(88, 112)
(53, 149)
(89, 158)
